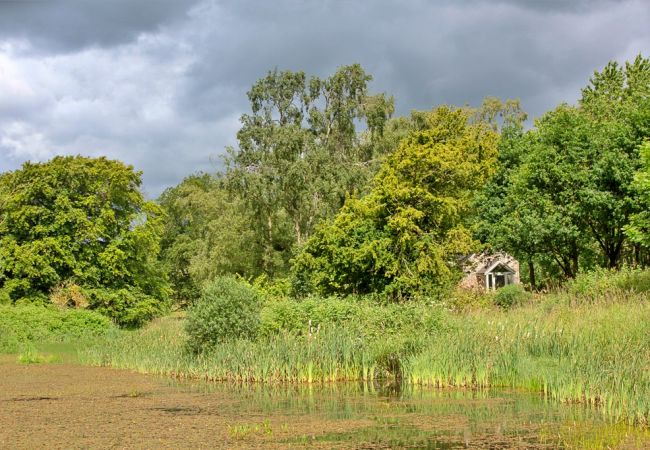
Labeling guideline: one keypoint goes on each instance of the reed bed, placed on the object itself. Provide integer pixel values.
(593, 354)
(328, 356)
(576, 352)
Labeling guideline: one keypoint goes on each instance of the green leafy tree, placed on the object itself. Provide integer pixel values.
(406, 235)
(206, 234)
(227, 310)
(616, 105)
(499, 221)
(299, 154)
(81, 220)
(563, 194)
(639, 228)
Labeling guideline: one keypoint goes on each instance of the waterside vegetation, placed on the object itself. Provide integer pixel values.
(585, 344)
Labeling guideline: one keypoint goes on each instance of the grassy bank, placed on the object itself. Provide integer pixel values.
(588, 343)
(571, 347)
(25, 326)
(596, 354)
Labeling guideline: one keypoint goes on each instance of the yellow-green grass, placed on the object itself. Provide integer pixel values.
(597, 354)
(594, 354)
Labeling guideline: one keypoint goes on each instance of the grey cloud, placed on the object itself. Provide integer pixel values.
(69, 25)
(167, 101)
(424, 53)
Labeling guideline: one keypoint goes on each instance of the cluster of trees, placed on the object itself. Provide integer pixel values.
(308, 198)
(402, 236)
(327, 193)
(79, 228)
(564, 198)
(307, 145)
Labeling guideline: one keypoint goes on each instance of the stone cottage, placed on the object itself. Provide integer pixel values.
(489, 271)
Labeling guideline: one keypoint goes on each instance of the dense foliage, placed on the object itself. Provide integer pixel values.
(228, 309)
(83, 221)
(27, 324)
(387, 211)
(206, 234)
(564, 193)
(299, 155)
(326, 194)
(405, 236)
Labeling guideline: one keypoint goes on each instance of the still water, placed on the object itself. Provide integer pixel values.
(373, 416)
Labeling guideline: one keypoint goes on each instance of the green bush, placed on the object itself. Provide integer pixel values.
(510, 295)
(32, 323)
(9, 343)
(5, 299)
(286, 315)
(228, 309)
(126, 307)
(362, 315)
(465, 300)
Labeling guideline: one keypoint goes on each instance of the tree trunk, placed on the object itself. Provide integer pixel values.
(574, 260)
(531, 274)
(614, 254)
(298, 231)
(269, 245)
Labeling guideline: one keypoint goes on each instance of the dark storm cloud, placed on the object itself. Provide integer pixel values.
(423, 52)
(161, 84)
(68, 25)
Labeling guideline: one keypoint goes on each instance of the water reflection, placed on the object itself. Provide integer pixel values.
(375, 415)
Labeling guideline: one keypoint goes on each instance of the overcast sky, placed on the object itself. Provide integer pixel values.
(161, 84)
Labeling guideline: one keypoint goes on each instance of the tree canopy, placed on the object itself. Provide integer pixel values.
(326, 190)
(78, 220)
(300, 154)
(563, 195)
(406, 235)
(207, 233)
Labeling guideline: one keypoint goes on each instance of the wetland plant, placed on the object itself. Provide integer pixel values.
(577, 351)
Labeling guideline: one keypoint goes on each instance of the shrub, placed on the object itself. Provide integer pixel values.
(68, 294)
(361, 315)
(510, 295)
(462, 299)
(126, 307)
(607, 285)
(228, 309)
(277, 288)
(32, 298)
(9, 343)
(32, 323)
(5, 299)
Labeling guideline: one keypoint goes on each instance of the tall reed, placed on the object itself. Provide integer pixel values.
(594, 354)
(569, 347)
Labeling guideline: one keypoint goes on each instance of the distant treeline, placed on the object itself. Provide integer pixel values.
(327, 193)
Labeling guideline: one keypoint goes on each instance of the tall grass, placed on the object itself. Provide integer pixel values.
(598, 354)
(589, 343)
(330, 355)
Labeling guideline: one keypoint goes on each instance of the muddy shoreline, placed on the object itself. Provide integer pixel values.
(71, 406)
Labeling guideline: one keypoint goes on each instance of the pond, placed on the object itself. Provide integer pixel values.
(65, 405)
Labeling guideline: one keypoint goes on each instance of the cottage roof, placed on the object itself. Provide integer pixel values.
(486, 262)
